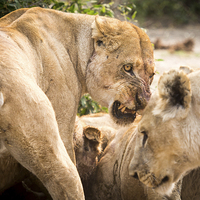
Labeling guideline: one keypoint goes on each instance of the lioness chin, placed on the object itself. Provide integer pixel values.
(168, 138)
(48, 59)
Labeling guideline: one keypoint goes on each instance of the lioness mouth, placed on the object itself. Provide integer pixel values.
(164, 180)
(123, 114)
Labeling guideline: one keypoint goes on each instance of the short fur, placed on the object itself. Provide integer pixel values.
(48, 59)
(110, 179)
(87, 146)
(171, 123)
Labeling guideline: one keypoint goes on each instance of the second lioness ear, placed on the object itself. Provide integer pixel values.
(92, 133)
(106, 33)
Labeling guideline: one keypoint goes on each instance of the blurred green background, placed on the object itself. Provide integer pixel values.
(144, 12)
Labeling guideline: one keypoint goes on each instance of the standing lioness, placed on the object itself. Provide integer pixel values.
(48, 59)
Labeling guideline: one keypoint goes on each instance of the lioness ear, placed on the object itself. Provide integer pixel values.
(186, 69)
(92, 133)
(174, 95)
(105, 33)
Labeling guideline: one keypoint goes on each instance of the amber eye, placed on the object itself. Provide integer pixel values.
(128, 67)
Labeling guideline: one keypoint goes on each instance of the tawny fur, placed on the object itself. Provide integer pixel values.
(110, 179)
(172, 145)
(87, 148)
(48, 59)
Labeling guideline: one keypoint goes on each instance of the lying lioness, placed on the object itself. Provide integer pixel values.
(48, 59)
(111, 180)
(168, 137)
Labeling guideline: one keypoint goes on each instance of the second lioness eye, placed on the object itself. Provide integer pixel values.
(128, 68)
(145, 137)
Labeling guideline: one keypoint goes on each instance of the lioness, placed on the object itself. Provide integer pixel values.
(111, 180)
(48, 59)
(168, 134)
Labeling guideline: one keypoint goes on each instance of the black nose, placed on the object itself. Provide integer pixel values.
(136, 176)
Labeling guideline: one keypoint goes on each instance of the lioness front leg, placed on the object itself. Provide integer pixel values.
(30, 132)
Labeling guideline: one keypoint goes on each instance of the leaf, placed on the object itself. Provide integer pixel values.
(159, 59)
(103, 9)
(128, 8)
(76, 7)
(134, 15)
(96, 6)
(58, 5)
(90, 12)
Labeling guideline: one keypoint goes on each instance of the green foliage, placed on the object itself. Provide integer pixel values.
(178, 11)
(74, 6)
(128, 10)
(7, 6)
(88, 106)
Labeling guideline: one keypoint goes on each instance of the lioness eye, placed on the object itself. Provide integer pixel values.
(152, 75)
(145, 137)
(128, 68)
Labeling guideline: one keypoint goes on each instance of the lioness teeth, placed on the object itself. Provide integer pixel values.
(121, 106)
(123, 109)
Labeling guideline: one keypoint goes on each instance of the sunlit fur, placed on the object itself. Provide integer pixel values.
(115, 47)
(171, 121)
(48, 60)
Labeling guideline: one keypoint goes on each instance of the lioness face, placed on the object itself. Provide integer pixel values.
(121, 68)
(161, 152)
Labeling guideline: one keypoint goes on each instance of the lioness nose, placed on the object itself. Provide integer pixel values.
(140, 102)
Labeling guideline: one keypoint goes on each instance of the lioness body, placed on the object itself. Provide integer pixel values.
(110, 180)
(48, 59)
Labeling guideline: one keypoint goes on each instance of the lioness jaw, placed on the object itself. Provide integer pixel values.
(48, 60)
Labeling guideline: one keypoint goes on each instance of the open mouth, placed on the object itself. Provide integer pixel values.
(122, 114)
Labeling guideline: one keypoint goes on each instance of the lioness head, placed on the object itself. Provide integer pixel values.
(167, 135)
(121, 69)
